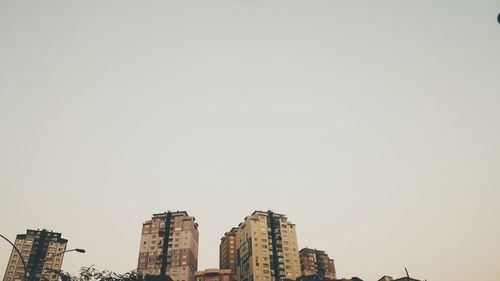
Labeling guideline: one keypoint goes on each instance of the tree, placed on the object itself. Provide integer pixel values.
(90, 273)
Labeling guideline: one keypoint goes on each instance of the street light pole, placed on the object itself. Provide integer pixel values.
(51, 257)
(20, 256)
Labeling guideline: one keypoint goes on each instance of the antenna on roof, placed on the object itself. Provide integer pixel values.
(407, 275)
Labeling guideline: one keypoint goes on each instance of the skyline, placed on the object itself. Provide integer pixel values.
(187, 216)
(372, 125)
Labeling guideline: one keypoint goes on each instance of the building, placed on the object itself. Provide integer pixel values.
(227, 251)
(42, 251)
(169, 246)
(214, 275)
(317, 262)
(389, 278)
(267, 248)
(317, 278)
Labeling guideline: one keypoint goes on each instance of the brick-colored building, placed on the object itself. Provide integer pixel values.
(227, 251)
(179, 240)
(42, 250)
(317, 262)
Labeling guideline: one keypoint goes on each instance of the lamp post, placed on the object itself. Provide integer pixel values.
(51, 257)
(20, 255)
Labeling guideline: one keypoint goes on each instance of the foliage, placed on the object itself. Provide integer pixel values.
(90, 273)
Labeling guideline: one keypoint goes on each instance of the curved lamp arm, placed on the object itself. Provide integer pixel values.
(55, 255)
(20, 255)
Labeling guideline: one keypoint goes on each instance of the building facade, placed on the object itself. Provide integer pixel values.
(169, 245)
(213, 275)
(41, 250)
(227, 251)
(317, 262)
(316, 278)
(267, 248)
(389, 278)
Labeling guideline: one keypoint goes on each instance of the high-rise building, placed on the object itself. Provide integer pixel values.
(169, 245)
(227, 251)
(42, 251)
(317, 262)
(267, 248)
(214, 275)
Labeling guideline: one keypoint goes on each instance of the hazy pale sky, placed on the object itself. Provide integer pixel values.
(374, 125)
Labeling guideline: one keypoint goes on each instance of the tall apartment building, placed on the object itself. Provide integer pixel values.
(227, 251)
(267, 248)
(41, 250)
(169, 245)
(317, 262)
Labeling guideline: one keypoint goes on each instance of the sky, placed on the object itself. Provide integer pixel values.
(373, 125)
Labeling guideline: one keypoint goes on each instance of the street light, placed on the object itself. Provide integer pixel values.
(75, 249)
(51, 257)
(19, 253)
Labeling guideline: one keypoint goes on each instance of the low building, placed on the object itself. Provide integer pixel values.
(213, 274)
(316, 278)
(389, 278)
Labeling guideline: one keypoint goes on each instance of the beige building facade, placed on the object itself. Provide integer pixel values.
(267, 248)
(213, 274)
(42, 251)
(178, 239)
